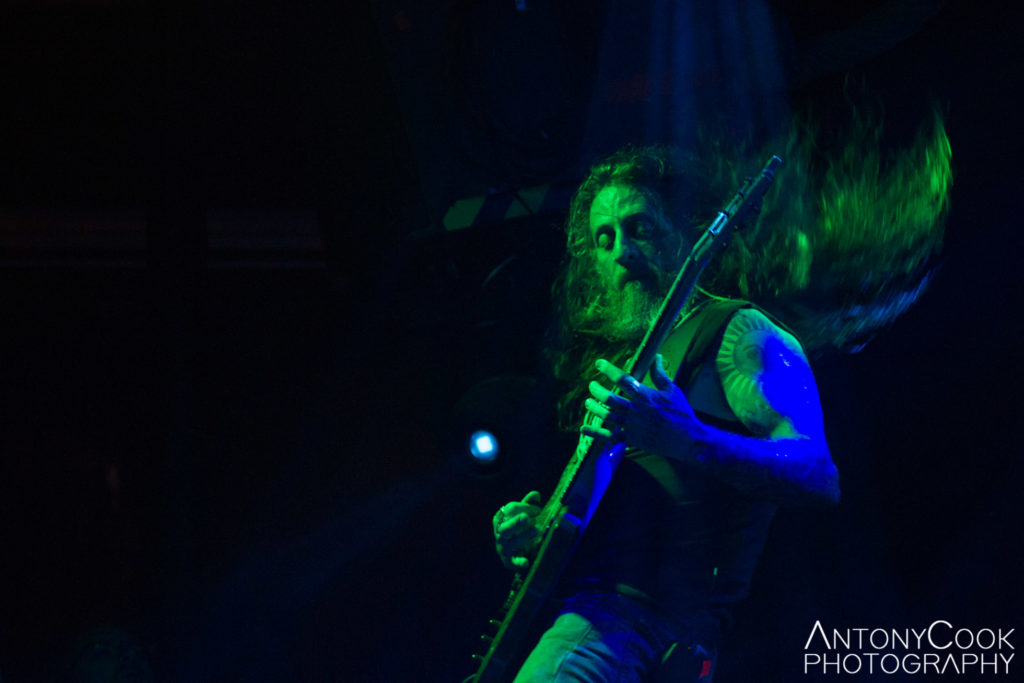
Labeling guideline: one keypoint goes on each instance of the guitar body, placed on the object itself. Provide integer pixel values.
(564, 518)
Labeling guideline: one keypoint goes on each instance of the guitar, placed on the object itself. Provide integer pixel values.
(562, 521)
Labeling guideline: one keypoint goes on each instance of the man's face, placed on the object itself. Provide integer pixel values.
(634, 251)
(630, 239)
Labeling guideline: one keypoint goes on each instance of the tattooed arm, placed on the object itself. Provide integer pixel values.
(769, 386)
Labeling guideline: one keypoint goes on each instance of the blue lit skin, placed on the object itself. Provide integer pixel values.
(483, 446)
(787, 462)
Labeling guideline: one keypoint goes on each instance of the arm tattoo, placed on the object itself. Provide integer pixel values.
(768, 384)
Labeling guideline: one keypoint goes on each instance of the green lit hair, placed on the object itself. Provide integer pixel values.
(847, 238)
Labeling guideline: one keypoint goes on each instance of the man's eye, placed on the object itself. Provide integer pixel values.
(604, 240)
(643, 229)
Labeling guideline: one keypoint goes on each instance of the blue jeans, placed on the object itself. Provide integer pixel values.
(610, 638)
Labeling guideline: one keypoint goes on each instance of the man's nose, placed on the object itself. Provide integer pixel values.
(626, 251)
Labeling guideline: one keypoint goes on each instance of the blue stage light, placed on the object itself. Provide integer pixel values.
(483, 446)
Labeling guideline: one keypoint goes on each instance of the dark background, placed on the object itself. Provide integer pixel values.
(240, 352)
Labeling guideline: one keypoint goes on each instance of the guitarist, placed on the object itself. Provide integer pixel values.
(727, 426)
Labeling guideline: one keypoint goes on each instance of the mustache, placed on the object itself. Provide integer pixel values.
(655, 280)
(639, 273)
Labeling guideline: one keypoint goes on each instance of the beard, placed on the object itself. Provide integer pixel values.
(607, 320)
(631, 312)
(625, 313)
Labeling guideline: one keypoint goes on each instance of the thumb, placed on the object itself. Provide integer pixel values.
(659, 376)
(532, 498)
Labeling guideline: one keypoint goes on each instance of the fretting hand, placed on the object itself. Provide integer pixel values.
(659, 420)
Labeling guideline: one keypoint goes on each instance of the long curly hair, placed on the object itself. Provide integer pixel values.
(848, 236)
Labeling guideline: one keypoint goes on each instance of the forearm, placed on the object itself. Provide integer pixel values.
(790, 471)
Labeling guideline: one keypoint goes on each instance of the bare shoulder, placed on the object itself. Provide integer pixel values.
(766, 377)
